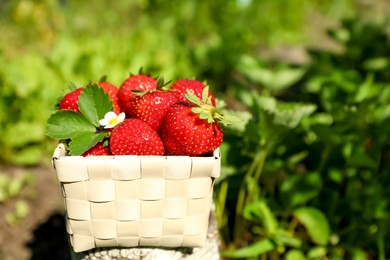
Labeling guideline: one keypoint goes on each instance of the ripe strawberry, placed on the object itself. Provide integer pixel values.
(180, 88)
(152, 106)
(134, 136)
(98, 150)
(70, 100)
(112, 90)
(140, 82)
(191, 129)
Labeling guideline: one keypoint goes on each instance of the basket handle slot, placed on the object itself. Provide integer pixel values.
(58, 152)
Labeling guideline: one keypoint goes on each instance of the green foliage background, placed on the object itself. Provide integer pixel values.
(310, 180)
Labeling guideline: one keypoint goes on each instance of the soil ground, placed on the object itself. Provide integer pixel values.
(42, 233)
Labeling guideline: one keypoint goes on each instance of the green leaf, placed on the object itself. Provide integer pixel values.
(275, 80)
(284, 237)
(190, 96)
(15, 186)
(276, 117)
(367, 90)
(204, 115)
(260, 211)
(299, 189)
(253, 131)
(197, 110)
(103, 78)
(316, 224)
(4, 183)
(82, 142)
(321, 118)
(205, 94)
(377, 63)
(21, 209)
(285, 77)
(359, 157)
(317, 252)
(252, 250)
(65, 124)
(294, 254)
(295, 159)
(72, 86)
(230, 119)
(291, 114)
(20, 212)
(94, 103)
(358, 254)
(29, 155)
(23, 133)
(139, 93)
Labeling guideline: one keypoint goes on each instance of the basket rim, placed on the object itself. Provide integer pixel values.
(60, 151)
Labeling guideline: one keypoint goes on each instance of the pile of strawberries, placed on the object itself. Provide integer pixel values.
(144, 117)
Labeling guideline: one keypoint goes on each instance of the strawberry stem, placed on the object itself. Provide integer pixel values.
(207, 110)
(203, 107)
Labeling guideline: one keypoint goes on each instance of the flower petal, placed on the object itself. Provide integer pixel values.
(110, 115)
(103, 122)
(121, 117)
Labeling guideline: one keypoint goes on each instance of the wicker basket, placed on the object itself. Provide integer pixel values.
(130, 201)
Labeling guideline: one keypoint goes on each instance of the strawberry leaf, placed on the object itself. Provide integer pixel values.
(197, 110)
(205, 95)
(160, 82)
(228, 119)
(103, 78)
(190, 96)
(84, 141)
(94, 103)
(65, 124)
(138, 92)
(72, 86)
(203, 115)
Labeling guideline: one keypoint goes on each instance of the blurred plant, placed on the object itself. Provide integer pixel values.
(313, 169)
(11, 188)
(306, 175)
(23, 111)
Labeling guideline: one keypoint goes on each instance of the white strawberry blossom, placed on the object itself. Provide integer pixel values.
(111, 119)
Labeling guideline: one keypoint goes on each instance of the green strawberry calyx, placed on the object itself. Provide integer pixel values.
(206, 110)
(161, 86)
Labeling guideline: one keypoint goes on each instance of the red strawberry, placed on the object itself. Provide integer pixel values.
(152, 106)
(98, 150)
(70, 100)
(134, 136)
(140, 82)
(112, 90)
(190, 129)
(180, 87)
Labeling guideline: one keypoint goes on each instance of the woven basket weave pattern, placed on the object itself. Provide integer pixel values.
(129, 201)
